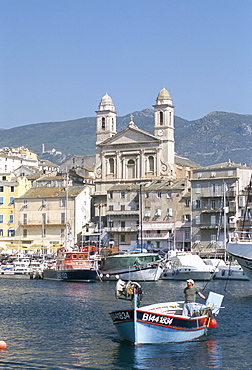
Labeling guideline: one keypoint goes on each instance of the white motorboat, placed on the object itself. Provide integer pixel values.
(185, 265)
(21, 267)
(223, 270)
(7, 269)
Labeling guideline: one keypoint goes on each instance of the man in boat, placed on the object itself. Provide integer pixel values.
(190, 297)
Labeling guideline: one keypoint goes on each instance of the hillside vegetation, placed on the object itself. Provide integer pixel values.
(215, 138)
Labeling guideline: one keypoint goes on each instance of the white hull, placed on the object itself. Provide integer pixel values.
(185, 265)
(137, 274)
(184, 274)
(242, 251)
(232, 273)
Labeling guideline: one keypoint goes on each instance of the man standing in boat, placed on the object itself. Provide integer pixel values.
(190, 297)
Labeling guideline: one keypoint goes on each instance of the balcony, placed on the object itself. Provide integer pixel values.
(157, 236)
(210, 195)
(121, 229)
(125, 212)
(31, 223)
(207, 209)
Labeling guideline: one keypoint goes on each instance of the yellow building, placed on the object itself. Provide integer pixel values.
(11, 187)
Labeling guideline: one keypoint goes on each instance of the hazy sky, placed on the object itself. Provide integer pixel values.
(59, 57)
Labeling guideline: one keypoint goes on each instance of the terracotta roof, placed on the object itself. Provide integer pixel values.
(173, 184)
(52, 192)
(185, 162)
(226, 165)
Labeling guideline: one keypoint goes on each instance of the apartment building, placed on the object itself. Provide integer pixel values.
(217, 202)
(52, 215)
(152, 215)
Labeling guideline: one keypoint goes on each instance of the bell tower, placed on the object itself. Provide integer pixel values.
(164, 127)
(105, 119)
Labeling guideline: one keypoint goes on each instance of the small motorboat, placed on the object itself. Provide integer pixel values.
(162, 322)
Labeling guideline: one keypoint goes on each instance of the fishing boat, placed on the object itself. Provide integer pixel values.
(240, 248)
(72, 266)
(185, 265)
(162, 322)
(132, 266)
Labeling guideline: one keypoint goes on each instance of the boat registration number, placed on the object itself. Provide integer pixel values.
(61, 275)
(120, 316)
(157, 319)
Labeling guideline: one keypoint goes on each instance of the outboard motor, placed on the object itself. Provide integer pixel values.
(126, 291)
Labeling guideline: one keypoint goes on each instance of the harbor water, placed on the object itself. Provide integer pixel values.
(63, 325)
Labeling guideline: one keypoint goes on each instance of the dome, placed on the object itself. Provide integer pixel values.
(106, 100)
(106, 103)
(164, 95)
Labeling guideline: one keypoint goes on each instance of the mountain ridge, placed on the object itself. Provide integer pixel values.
(217, 137)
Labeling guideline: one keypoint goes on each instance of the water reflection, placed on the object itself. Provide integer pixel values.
(190, 355)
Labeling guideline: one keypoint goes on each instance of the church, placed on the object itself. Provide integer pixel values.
(133, 155)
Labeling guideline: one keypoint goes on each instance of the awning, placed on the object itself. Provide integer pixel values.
(17, 246)
(36, 246)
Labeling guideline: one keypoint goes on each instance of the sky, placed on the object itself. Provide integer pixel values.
(59, 57)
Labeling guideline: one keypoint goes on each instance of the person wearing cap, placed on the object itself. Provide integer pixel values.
(190, 297)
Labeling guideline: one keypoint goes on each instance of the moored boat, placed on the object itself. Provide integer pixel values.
(185, 265)
(72, 266)
(240, 248)
(162, 322)
(223, 270)
(132, 266)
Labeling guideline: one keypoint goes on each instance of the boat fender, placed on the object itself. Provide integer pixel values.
(212, 323)
(177, 272)
(222, 272)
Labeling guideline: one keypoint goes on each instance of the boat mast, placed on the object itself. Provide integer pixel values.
(141, 217)
(246, 207)
(66, 234)
(224, 221)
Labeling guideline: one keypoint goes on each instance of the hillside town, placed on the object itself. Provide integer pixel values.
(136, 192)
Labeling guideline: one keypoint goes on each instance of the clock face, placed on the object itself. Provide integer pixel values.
(160, 132)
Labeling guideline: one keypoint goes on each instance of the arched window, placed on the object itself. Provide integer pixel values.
(151, 163)
(112, 126)
(111, 165)
(103, 123)
(131, 169)
(161, 118)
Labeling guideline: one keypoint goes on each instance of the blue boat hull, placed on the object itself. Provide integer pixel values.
(70, 275)
(157, 328)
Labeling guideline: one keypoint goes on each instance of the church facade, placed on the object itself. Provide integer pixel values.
(133, 155)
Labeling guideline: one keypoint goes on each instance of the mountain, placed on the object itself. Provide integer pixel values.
(215, 138)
